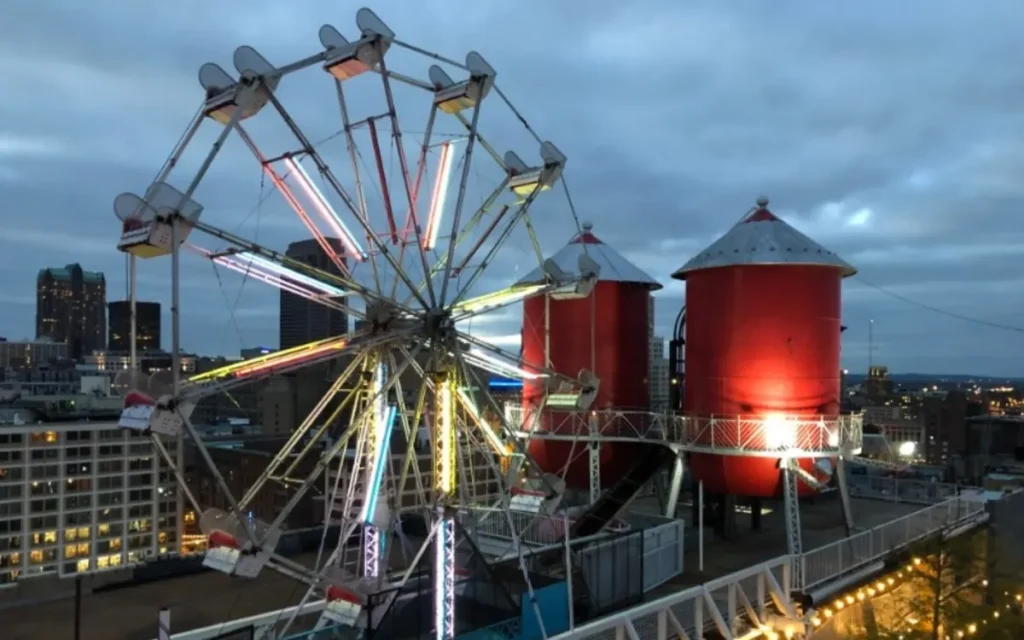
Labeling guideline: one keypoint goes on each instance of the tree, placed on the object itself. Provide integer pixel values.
(945, 588)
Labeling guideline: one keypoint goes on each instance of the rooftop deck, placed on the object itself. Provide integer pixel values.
(211, 598)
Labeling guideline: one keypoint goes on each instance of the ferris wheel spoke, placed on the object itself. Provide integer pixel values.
(460, 198)
(411, 192)
(287, 454)
(507, 435)
(345, 283)
(527, 183)
(412, 220)
(244, 372)
(411, 461)
(283, 278)
(286, 192)
(499, 242)
(336, 186)
(491, 151)
(353, 156)
(464, 235)
(328, 456)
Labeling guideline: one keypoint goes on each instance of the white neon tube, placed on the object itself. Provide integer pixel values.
(326, 210)
(291, 274)
(500, 367)
(439, 196)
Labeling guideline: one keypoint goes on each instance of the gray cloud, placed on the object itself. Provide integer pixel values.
(888, 131)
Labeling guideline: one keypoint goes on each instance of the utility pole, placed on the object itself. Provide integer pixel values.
(871, 344)
(78, 606)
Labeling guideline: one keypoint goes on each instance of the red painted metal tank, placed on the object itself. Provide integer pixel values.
(605, 332)
(762, 345)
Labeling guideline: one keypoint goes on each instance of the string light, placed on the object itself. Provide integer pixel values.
(889, 582)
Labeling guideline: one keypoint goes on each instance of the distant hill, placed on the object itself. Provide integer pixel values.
(856, 378)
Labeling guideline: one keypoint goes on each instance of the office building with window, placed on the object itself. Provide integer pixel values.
(303, 320)
(71, 307)
(147, 326)
(80, 498)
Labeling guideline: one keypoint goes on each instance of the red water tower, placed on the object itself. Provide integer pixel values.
(762, 347)
(606, 332)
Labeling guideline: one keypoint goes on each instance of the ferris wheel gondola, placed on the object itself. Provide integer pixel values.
(412, 271)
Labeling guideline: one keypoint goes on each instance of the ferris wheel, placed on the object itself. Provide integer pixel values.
(412, 237)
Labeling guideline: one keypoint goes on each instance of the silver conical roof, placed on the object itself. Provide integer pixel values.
(761, 238)
(614, 268)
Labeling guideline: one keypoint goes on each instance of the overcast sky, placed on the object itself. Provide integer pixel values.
(891, 132)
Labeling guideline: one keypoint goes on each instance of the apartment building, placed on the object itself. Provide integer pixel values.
(80, 498)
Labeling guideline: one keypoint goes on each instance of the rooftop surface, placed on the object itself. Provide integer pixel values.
(211, 598)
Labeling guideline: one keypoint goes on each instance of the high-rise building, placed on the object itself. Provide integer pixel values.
(878, 383)
(303, 320)
(147, 325)
(71, 307)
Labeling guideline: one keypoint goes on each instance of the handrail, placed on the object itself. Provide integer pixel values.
(799, 573)
(811, 436)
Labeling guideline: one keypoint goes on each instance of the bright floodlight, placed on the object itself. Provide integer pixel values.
(907, 449)
(779, 432)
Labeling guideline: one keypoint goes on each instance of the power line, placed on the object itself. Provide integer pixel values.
(940, 311)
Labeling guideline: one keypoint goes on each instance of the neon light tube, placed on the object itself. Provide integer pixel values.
(291, 274)
(492, 437)
(440, 194)
(445, 425)
(296, 206)
(384, 429)
(266, 278)
(278, 279)
(326, 210)
(272, 359)
(499, 367)
(563, 400)
(499, 298)
(444, 574)
(298, 357)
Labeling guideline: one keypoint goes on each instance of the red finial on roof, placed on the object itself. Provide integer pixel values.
(761, 213)
(587, 237)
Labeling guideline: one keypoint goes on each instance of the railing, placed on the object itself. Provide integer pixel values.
(907, 490)
(533, 529)
(826, 563)
(724, 604)
(813, 436)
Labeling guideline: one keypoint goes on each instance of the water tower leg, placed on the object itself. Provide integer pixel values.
(844, 495)
(755, 513)
(676, 483)
(594, 459)
(794, 534)
(729, 516)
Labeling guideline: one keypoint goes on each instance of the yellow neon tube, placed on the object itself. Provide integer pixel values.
(492, 438)
(444, 472)
(498, 298)
(269, 359)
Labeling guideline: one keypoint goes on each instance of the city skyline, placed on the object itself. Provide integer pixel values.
(884, 167)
